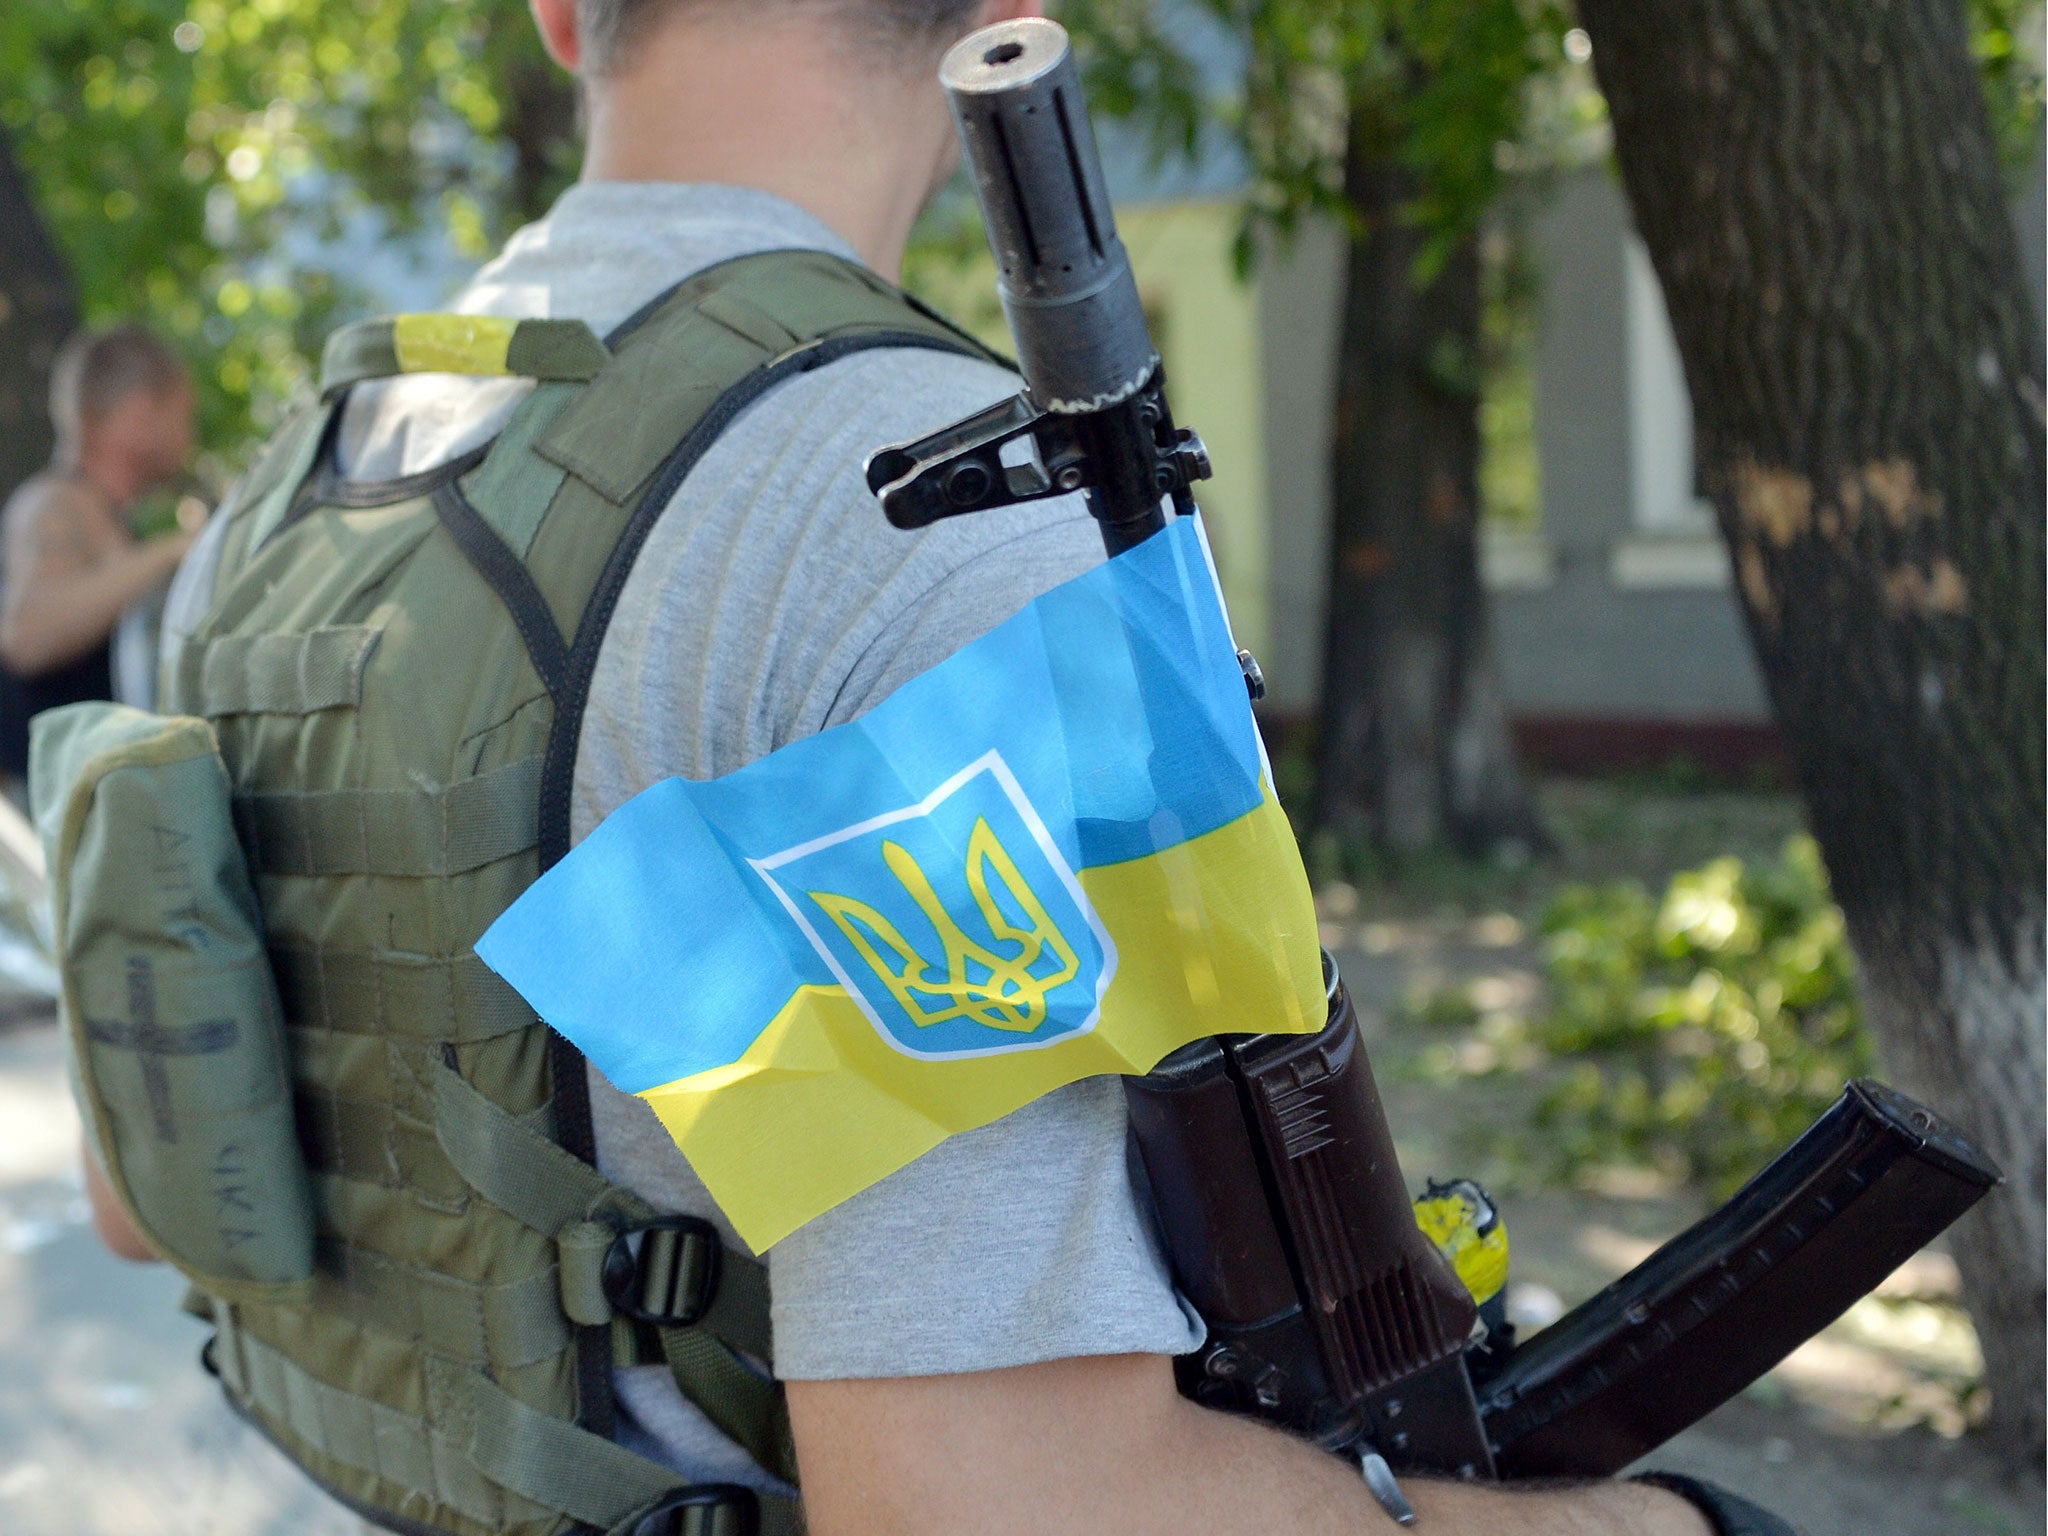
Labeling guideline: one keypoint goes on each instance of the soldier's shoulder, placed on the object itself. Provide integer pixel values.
(46, 496)
(922, 388)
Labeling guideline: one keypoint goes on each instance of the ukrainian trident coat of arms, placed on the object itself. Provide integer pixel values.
(956, 923)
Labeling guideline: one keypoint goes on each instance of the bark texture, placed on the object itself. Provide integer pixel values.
(37, 311)
(1414, 748)
(1819, 191)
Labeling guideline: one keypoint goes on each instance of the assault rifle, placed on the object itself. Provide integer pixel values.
(1283, 1206)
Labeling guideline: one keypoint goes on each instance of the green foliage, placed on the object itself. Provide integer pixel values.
(1697, 1033)
(191, 157)
(1707, 1029)
(1510, 470)
(194, 157)
(1466, 93)
(1441, 85)
(2012, 69)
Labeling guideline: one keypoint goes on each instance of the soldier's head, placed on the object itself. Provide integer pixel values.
(832, 103)
(120, 396)
(907, 29)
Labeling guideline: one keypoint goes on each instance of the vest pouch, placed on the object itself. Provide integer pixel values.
(176, 1037)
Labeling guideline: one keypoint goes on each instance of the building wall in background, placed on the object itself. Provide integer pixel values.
(1206, 324)
(1615, 609)
(1618, 632)
(1299, 292)
(1630, 617)
(1616, 625)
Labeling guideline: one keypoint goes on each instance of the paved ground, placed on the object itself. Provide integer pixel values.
(1857, 1433)
(108, 1427)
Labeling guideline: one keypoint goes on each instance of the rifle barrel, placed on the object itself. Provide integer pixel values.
(1064, 276)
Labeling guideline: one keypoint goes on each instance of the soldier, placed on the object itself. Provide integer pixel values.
(597, 568)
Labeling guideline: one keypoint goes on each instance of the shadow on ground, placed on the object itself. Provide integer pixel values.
(1859, 1433)
(108, 1426)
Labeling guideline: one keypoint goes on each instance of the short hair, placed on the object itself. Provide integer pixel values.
(96, 370)
(608, 29)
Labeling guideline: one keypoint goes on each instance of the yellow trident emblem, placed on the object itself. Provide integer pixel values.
(974, 982)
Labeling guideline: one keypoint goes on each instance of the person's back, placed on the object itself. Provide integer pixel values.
(982, 1341)
(69, 565)
(53, 517)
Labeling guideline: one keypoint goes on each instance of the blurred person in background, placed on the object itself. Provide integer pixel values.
(70, 561)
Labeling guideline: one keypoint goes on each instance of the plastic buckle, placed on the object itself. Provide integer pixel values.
(673, 1279)
(707, 1509)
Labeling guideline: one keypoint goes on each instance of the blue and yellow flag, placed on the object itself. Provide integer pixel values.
(1054, 855)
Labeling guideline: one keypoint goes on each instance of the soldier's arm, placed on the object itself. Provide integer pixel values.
(1106, 1445)
(1024, 1240)
(63, 594)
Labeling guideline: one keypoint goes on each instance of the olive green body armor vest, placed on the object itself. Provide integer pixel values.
(396, 675)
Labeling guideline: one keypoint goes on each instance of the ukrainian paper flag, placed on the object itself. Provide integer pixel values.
(1054, 855)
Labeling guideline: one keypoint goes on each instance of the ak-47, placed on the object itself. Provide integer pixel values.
(1283, 1206)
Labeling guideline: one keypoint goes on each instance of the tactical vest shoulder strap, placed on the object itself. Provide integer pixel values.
(551, 515)
(261, 498)
(583, 470)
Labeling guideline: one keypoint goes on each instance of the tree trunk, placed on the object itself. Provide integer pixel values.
(1819, 190)
(541, 126)
(37, 311)
(1414, 748)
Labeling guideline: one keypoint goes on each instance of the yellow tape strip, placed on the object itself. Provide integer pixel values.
(1449, 1221)
(474, 344)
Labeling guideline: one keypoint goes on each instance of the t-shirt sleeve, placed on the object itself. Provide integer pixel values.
(1060, 543)
(1025, 1240)
(1022, 1241)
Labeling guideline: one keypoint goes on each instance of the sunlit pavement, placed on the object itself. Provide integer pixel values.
(109, 1428)
(107, 1425)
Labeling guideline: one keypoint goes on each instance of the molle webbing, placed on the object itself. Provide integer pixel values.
(446, 830)
(286, 674)
(456, 998)
(479, 1450)
(397, 678)
(514, 1324)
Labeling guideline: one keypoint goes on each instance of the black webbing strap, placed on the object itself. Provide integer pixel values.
(680, 371)
(511, 1164)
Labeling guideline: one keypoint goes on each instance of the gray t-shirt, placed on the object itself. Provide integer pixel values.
(773, 600)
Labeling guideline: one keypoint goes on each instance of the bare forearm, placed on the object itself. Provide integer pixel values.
(1595, 1509)
(1257, 1480)
(1106, 1448)
(56, 618)
(1197, 1472)
(109, 1220)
